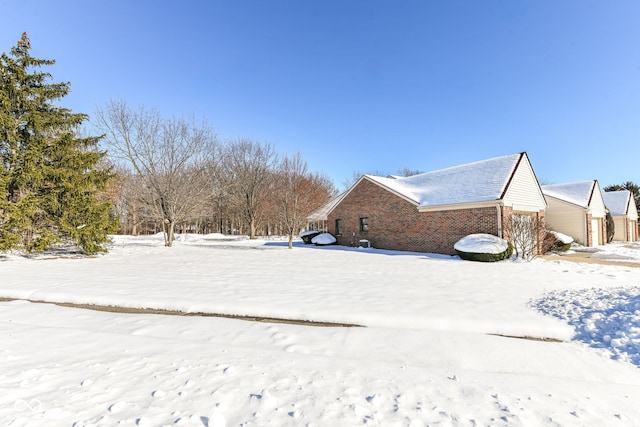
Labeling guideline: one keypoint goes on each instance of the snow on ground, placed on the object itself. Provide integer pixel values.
(427, 356)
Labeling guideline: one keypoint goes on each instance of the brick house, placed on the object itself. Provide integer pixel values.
(577, 209)
(430, 212)
(623, 209)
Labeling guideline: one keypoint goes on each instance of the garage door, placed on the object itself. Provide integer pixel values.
(620, 229)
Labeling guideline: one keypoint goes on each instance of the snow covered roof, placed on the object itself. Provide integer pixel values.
(321, 213)
(578, 193)
(617, 201)
(480, 181)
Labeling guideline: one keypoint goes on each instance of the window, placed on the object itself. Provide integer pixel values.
(338, 227)
(364, 224)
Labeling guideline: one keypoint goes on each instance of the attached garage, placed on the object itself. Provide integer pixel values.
(622, 207)
(577, 209)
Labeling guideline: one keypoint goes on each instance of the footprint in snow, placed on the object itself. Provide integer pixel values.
(280, 338)
(117, 407)
(143, 422)
(295, 348)
(374, 399)
(158, 393)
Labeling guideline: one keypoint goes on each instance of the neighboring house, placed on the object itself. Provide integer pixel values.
(577, 209)
(430, 212)
(622, 207)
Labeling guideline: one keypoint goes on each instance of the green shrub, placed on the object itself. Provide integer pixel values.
(483, 257)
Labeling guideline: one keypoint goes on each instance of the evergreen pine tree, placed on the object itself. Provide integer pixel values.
(50, 185)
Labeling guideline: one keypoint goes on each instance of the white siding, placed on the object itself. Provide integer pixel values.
(596, 204)
(633, 210)
(524, 193)
(567, 218)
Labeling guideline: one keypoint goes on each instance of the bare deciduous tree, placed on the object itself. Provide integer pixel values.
(247, 169)
(524, 232)
(132, 203)
(298, 194)
(172, 156)
(406, 171)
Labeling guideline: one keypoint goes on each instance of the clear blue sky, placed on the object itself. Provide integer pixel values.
(366, 85)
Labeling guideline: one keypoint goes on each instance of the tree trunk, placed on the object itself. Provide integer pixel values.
(168, 227)
(172, 237)
(134, 223)
(252, 230)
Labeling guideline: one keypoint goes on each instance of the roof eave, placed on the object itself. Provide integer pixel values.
(464, 205)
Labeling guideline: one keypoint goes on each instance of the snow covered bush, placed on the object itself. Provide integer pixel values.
(308, 235)
(323, 239)
(556, 242)
(483, 247)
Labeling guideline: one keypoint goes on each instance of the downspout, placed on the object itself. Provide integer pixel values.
(499, 211)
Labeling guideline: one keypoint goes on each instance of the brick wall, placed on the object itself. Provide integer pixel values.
(589, 231)
(395, 223)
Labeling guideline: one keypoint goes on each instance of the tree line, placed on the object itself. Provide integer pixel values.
(145, 173)
(175, 175)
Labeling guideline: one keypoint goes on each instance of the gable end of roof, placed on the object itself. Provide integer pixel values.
(513, 172)
(593, 189)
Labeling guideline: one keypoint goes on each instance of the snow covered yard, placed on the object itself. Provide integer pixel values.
(429, 354)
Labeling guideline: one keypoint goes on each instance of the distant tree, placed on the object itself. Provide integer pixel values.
(409, 172)
(356, 175)
(134, 204)
(247, 170)
(174, 158)
(50, 184)
(298, 193)
(544, 181)
(629, 185)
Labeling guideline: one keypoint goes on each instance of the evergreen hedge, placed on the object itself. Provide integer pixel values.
(484, 257)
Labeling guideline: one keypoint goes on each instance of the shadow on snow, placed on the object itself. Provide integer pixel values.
(602, 318)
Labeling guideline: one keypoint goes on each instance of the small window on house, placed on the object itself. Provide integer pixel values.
(338, 227)
(364, 224)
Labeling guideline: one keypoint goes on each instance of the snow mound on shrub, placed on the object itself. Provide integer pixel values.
(562, 237)
(481, 244)
(323, 239)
